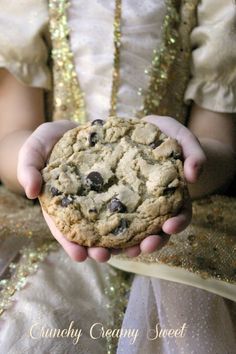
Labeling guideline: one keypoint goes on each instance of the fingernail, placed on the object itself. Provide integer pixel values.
(27, 192)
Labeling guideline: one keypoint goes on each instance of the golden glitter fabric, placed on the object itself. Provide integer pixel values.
(170, 69)
(116, 60)
(169, 72)
(25, 242)
(68, 98)
(25, 263)
(207, 247)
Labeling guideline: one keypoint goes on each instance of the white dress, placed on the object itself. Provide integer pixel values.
(62, 292)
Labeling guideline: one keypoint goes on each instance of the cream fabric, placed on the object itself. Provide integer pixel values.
(23, 37)
(213, 85)
(93, 21)
(60, 292)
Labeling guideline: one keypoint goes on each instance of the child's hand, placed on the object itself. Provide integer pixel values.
(194, 160)
(32, 159)
(35, 152)
(33, 156)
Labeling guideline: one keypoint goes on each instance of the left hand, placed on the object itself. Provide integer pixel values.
(194, 160)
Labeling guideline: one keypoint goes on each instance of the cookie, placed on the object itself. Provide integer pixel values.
(111, 183)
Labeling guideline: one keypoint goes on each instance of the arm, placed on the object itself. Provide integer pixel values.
(217, 135)
(214, 152)
(21, 111)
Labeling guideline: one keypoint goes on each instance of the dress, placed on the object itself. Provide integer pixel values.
(49, 293)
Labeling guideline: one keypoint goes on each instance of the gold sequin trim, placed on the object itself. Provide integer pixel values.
(116, 58)
(170, 68)
(162, 60)
(25, 263)
(169, 71)
(68, 97)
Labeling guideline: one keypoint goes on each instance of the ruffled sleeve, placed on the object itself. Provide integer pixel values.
(24, 41)
(213, 82)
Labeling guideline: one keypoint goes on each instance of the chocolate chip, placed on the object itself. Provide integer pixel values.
(191, 238)
(97, 122)
(155, 144)
(169, 191)
(175, 155)
(66, 201)
(93, 210)
(93, 139)
(55, 191)
(117, 206)
(94, 181)
(121, 227)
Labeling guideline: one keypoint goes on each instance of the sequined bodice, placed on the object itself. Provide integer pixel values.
(140, 34)
(130, 74)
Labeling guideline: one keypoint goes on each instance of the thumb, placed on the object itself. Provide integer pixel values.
(194, 156)
(34, 153)
(30, 162)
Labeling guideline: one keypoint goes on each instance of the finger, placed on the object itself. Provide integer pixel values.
(193, 153)
(195, 158)
(133, 251)
(193, 168)
(180, 222)
(76, 252)
(48, 134)
(153, 242)
(116, 251)
(99, 254)
(28, 171)
(34, 153)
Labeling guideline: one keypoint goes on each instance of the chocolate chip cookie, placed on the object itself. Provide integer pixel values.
(111, 183)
